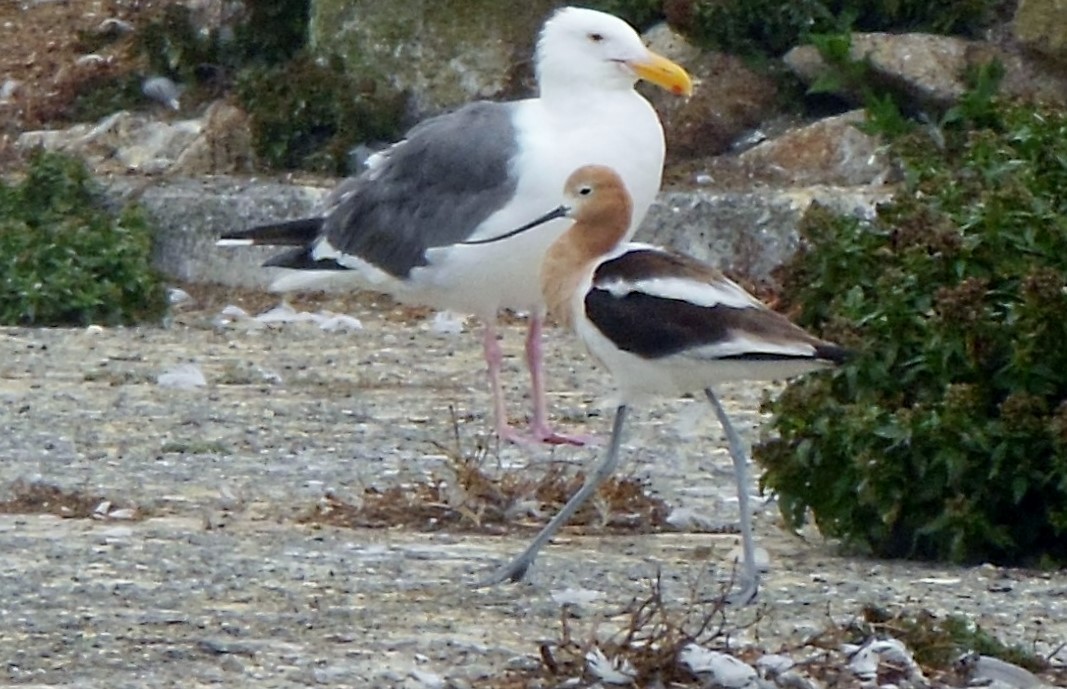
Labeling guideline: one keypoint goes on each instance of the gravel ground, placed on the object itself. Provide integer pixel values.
(221, 584)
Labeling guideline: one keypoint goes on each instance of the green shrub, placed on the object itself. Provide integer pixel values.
(946, 436)
(274, 30)
(639, 13)
(306, 115)
(771, 27)
(271, 32)
(64, 260)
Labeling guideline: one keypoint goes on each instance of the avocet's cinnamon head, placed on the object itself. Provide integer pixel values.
(597, 199)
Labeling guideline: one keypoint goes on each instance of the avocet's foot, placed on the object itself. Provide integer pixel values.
(746, 594)
(514, 572)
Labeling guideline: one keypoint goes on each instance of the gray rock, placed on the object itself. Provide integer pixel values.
(121, 142)
(1041, 25)
(929, 67)
(224, 145)
(189, 214)
(831, 151)
(126, 142)
(445, 54)
(749, 232)
(729, 98)
(932, 69)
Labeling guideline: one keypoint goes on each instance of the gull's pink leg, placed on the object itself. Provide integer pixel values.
(493, 359)
(539, 428)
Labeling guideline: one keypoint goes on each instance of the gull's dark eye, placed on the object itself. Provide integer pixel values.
(585, 191)
(596, 37)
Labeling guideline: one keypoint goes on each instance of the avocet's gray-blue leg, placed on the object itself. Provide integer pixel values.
(516, 569)
(749, 575)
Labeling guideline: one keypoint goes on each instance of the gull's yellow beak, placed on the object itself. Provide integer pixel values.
(663, 73)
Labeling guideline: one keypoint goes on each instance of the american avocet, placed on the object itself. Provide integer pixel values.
(660, 322)
(484, 169)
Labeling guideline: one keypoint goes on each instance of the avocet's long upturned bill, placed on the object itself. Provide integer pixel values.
(483, 169)
(661, 322)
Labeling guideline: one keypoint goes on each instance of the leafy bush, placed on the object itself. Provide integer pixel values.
(946, 437)
(771, 27)
(639, 13)
(306, 115)
(271, 32)
(66, 261)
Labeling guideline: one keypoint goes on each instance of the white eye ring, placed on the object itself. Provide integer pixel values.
(585, 191)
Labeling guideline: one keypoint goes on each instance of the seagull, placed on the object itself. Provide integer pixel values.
(660, 322)
(398, 227)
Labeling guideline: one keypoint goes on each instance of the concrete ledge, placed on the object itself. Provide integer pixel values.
(748, 232)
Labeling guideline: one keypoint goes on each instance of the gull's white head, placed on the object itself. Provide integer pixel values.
(585, 49)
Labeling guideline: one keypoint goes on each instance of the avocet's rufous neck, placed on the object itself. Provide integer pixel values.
(600, 205)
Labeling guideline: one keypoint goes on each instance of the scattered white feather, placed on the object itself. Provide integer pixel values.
(92, 59)
(114, 24)
(447, 323)
(8, 88)
(235, 315)
(234, 311)
(572, 596)
(283, 314)
(104, 511)
(688, 519)
(864, 660)
(182, 377)
(339, 322)
(618, 671)
(162, 90)
(893, 651)
(176, 295)
(725, 670)
(939, 581)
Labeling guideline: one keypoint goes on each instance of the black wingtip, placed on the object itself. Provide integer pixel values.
(301, 259)
(299, 232)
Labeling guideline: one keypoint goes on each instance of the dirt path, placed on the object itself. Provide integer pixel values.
(222, 584)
